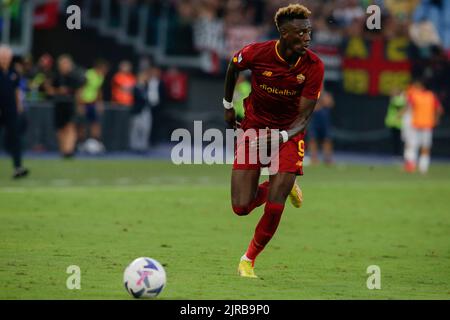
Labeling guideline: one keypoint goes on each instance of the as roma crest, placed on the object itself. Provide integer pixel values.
(300, 78)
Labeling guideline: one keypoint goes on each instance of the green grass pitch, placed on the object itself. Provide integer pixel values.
(102, 214)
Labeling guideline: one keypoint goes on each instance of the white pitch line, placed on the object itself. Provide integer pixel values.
(61, 182)
(123, 181)
(92, 182)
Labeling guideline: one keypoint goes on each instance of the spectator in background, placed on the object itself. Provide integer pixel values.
(348, 11)
(176, 84)
(123, 83)
(393, 119)
(425, 112)
(65, 90)
(10, 109)
(155, 96)
(140, 122)
(91, 105)
(38, 78)
(22, 120)
(319, 131)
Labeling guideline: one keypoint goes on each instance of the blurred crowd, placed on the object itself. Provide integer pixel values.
(218, 28)
(216, 22)
(78, 94)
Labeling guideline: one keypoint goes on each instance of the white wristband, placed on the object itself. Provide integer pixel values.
(284, 135)
(227, 105)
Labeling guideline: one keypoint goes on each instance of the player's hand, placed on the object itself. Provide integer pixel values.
(265, 139)
(230, 118)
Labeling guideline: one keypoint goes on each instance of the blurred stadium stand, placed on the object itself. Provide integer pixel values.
(199, 36)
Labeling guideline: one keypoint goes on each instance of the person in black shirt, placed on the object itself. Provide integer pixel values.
(65, 89)
(10, 109)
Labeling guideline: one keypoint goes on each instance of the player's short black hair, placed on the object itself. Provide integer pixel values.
(291, 12)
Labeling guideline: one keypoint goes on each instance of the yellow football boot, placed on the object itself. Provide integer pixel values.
(246, 269)
(296, 196)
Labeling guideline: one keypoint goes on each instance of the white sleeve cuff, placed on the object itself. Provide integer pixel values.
(227, 105)
(284, 135)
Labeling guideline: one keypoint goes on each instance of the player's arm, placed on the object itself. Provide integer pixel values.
(17, 96)
(308, 100)
(230, 83)
(306, 109)
(19, 104)
(242, 60)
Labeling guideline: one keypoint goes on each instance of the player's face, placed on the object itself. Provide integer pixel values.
(298, 35)
(65, 66)
(5, 58)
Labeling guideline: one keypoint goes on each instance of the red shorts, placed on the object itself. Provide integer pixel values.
(288, 159)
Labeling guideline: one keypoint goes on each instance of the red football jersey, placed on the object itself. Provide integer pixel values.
(277, 87)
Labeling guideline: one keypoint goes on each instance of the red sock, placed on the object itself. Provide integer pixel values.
(265, 229)
(261, 197)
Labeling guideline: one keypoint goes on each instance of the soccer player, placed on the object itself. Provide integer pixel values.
(286, 82)
(11, 109)
(65, 89)
(91, 107)
(425, 111)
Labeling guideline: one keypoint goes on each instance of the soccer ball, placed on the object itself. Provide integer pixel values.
(144, 278)
(93, 147)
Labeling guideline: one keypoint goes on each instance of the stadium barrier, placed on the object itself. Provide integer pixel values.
(358, 120)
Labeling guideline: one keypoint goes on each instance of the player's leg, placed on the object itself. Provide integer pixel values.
(69, 139)
(147, 122)
(13, 146)
(282, 181)
(94, 122)
(280, 186)
(328, 150)
(424, 160)
(411, 148)
(425, 151)
(314, 150)
(246, 194)
(81, 119)
(327, 143)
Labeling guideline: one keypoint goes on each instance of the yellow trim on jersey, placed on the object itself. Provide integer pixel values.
(279, 56)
